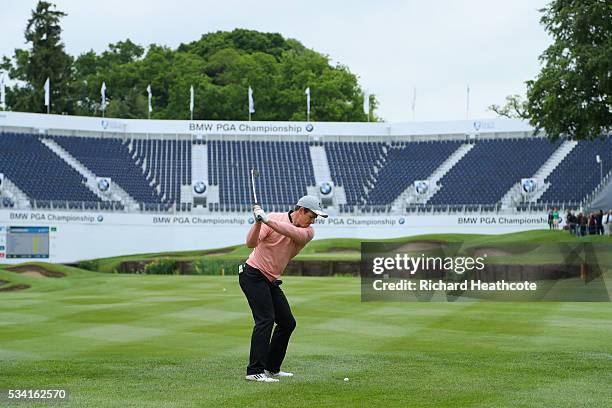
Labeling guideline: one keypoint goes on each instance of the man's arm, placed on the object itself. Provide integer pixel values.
(300, 235)
(253, 235)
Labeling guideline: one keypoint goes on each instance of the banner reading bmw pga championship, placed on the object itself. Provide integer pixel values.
(250, 128)
(449, 272)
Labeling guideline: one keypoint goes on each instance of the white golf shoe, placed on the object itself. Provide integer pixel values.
(279, 374)
(260, 378)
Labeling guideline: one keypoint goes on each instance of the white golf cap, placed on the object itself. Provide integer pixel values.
(313, 204)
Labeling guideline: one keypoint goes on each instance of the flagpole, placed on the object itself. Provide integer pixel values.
(2, 91)
(48, 95)
(413, 103)
(103, 95)
(307, 92)
(149, 98)
(467, 103)
(251, 103)
(191, 100)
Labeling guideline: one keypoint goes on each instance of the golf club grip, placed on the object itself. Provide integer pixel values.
(258, 218)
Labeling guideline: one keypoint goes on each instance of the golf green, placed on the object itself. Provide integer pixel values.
(182, 341)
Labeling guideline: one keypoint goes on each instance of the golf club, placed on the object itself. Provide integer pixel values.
(255, 173)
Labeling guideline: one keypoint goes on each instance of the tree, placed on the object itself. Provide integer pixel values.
(221, 66)
(45, 59)
(514, 108)
(572, 95)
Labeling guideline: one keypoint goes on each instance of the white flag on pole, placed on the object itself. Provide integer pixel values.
(103, 95)
(467, 102)
(307, 92)
(150, 95)
(2, 91)
(191, 99)
(366, 103)
(251, 104)
(47, 92)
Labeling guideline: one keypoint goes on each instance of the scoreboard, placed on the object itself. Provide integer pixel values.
(27, 242)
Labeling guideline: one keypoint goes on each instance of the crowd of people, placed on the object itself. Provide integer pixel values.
(594, 223)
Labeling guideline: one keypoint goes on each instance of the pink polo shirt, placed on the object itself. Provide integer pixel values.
(279, 241)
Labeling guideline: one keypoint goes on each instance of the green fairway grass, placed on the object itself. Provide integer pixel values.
(116, 340)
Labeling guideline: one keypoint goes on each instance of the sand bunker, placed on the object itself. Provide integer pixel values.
(219, 252)
(422, 246)
(35, 271)
(14, 288)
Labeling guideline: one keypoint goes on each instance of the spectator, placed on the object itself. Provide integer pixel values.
(570, 220)
(550, 219)
(599, 223)
(592, 224)
(608, 223)
(583, 224)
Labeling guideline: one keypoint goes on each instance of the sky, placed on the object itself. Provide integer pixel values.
(436, 47)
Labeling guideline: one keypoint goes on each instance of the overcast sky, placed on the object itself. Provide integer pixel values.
(437, 46)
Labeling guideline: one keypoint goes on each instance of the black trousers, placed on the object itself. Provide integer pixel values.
(268, 305)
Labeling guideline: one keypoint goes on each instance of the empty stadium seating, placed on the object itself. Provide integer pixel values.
(352, 166)
(40, 173)
(406, 163)
(285, 171)
(579, 173)
(111, 158)
(491, 168)
(168, 162)
(372, 174)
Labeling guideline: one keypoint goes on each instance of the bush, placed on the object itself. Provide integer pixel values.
(91, 265)
(212, 266)
(162, 266)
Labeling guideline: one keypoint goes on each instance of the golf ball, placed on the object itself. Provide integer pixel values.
(345, 379)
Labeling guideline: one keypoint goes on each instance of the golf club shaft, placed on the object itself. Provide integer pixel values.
(253, 184)
(254, 192)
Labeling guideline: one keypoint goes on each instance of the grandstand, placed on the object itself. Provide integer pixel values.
(365, 170)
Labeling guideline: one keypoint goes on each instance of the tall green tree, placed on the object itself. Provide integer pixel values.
(572, 95)
(46, 58)
(220, 66)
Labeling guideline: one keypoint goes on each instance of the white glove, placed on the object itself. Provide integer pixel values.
(260, 215)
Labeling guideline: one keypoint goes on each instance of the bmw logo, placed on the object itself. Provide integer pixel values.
(100, 218)
(528, 186)
(199, 187)
(422, 187)
(103, 184)
(325, 188)
(309, 127)
(251, 220)
(402, 221)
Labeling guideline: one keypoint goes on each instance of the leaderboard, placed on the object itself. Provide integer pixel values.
(26, 242)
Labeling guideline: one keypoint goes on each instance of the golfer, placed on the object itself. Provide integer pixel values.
(276, 238)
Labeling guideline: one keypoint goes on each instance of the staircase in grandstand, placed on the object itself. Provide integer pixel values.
(410, 196)
(515, 195)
